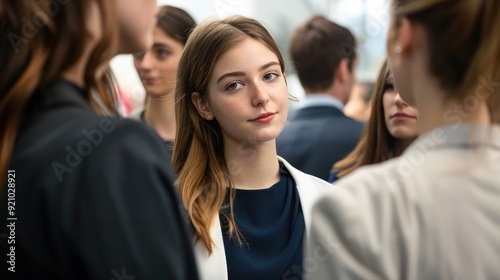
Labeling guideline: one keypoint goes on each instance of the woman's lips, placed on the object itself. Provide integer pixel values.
(149, 80)
(401, 116)
(264, 118)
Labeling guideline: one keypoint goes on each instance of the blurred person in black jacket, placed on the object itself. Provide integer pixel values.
(83, 195)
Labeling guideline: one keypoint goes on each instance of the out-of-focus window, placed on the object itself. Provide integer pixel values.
(367, 19)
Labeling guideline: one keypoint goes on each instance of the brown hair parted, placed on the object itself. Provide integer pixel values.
(198, 158)
(38, 45)
(175, 22)
(376, 143)
(463, 44)
(316, 49)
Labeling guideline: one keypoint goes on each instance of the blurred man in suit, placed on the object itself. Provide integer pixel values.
(318, 133)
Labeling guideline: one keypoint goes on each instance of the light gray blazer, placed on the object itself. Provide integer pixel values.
(214, 267)
(431, 214)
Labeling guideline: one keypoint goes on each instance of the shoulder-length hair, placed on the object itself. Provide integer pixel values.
(377, 143)
(198, 158)
(41, 40)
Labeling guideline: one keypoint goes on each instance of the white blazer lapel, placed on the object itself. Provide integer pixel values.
(309, 189)
(212, 267)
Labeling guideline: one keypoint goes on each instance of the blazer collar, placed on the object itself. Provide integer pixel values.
(214, 267)
(456, 135)
(308, 191)
(58, 93)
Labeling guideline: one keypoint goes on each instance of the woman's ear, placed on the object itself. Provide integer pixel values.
(406, 36)
(202, 106)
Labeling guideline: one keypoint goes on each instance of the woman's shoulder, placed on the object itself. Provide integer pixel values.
(111, 132)
(129, 136)
(79, 139)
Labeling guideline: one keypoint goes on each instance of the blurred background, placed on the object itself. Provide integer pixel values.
(367, 19)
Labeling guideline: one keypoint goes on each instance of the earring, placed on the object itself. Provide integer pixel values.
(209, 117)
(397, 52)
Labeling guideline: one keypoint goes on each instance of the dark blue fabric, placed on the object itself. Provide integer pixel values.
(315, 138)
(272, 223)
(333, 176)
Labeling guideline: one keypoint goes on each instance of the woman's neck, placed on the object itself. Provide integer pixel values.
(438, 112)
(76, 72)
(400, 145)
(159, 113)
(252, 166)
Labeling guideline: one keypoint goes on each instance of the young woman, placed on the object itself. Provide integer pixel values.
(248, 207)
(78, 197)
(157, 68)
(392, 127)
(433, 212)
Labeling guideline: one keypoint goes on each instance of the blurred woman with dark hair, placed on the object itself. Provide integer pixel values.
(432, 212)
(80, 199)
(391, 128)
(157, 68)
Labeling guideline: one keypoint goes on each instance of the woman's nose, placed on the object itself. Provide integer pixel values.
(399, 101)
(260, 96)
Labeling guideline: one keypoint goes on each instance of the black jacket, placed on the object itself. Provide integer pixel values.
(94, 197)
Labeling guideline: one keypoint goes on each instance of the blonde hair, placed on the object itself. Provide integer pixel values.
(464, 45)
(30, 62)
(198, 158)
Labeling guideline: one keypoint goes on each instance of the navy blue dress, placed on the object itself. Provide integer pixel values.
(272, 223)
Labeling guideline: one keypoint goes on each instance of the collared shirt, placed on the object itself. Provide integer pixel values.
(321, 99)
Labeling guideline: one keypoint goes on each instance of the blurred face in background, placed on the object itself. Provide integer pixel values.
(157, 67)
(400, 118)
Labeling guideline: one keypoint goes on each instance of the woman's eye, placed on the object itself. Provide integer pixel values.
(270, 76)
(389, 86)
(163, 53)
(233, 86)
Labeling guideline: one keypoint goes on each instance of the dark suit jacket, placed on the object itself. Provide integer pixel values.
(314, 138)
(94, 197)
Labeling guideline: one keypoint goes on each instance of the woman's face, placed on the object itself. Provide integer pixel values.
(136, 20)
(400, 118)
(247, 94)
(157, 67)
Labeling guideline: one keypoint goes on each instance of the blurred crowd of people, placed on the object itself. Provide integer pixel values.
(213, 178)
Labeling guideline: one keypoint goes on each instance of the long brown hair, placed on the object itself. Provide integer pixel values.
(463, 44)
(198, 158)
(44, 39)
(376, 143)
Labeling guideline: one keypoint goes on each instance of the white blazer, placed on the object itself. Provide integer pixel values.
(214, 267)
(432, 213)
